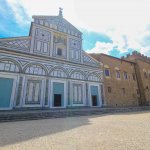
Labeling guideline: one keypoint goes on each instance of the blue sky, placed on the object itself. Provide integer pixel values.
(112, 27)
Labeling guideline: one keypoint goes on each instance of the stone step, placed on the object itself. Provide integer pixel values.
(20, 115)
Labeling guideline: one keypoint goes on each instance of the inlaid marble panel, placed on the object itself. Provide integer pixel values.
(42, 41)
(17, 44)
(59, 24)
(93, 77)
(77, 94)
(8, 66)
(35, 69)
(58, 73)
(75, 49)
(42, 35)
(33, 92)
(77, 75)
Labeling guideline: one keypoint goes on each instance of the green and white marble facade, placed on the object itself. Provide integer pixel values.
(34, 65)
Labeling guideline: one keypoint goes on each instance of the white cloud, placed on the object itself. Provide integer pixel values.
(145, 51)
(19, 11)
(101, 47)
(119, 40)
(123, 21)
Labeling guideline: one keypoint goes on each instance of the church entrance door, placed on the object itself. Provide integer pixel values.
(94, 100)
(57, 100)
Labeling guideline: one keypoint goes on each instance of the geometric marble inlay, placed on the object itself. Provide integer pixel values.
(33, 94)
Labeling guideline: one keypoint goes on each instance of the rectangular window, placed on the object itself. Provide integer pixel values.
(107, 73)
(125, 75)
(118, 74)
(109, 89)
(145, 75)
(123, 90)
(133, 76)
(59, 51)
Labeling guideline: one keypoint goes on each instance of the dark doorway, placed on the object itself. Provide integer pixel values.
(94, 100)
(57, 100)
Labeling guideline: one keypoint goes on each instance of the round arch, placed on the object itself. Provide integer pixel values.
(35, 65)
(58, 71)
(93, 76)
(15, 62)
(77, 74)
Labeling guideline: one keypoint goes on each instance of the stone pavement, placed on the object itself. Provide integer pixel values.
(120, 131)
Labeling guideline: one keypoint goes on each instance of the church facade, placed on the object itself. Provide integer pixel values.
(49, 69)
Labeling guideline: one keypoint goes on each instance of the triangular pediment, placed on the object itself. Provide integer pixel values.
(57, 23)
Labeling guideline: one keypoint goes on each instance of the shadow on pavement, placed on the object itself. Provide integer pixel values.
(16, 132)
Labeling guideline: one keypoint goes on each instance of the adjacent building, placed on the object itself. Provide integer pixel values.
(142, 69)
(120, 81)
(48, 68)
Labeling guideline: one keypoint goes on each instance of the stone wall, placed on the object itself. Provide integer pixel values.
(143, 73)
(124, 92)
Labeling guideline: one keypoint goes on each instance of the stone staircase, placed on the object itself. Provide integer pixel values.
(34, 114)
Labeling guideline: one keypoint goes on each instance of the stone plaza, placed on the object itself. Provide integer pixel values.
(118, 131)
